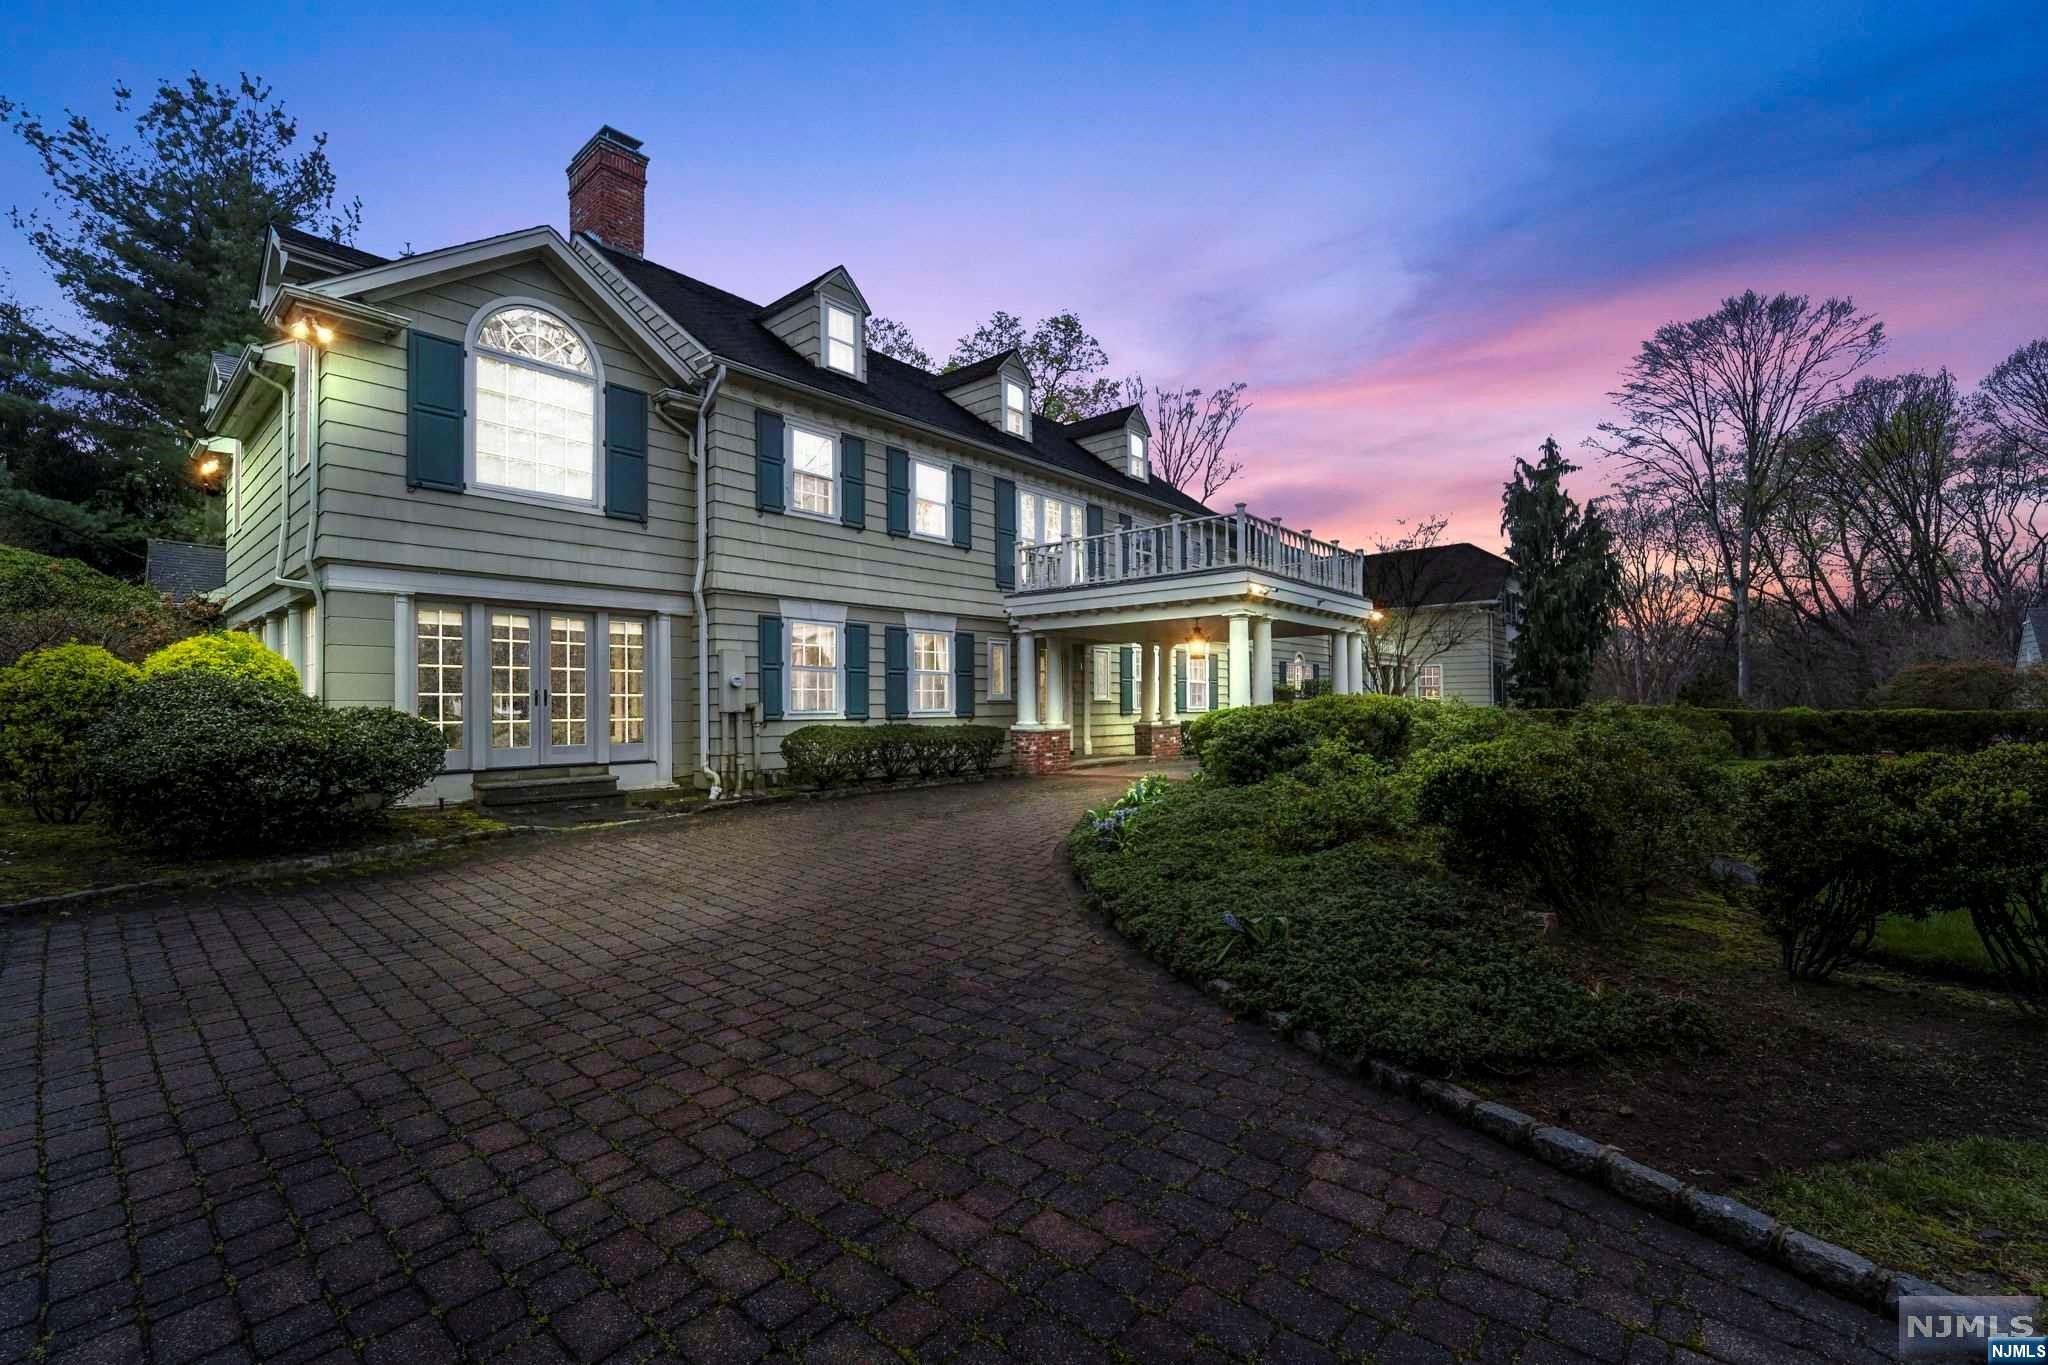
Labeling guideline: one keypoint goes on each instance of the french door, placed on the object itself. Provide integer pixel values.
(540, 687)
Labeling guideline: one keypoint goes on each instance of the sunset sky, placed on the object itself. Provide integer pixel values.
(1425, 242)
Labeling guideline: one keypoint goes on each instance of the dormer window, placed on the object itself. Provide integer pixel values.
(1138, 467)
(842, 333)
(1014, 409)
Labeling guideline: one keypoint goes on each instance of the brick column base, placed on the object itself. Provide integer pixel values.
(1159, 741)
(1039, 752)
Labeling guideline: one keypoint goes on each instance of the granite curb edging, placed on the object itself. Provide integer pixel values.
(1730, 1221)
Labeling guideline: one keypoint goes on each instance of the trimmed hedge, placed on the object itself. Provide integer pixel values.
(200, 760)
(49, 701)
(232, 653)
(1801, 732)
(827, 755)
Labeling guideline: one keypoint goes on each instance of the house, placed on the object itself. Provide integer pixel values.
(2033, 635)
(590, 515)
(1444, 617)
(182, 570)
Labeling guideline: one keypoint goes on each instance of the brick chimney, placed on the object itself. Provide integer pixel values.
(608, 190)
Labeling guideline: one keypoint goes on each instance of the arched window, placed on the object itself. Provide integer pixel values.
(1297, 671)
(535, 404)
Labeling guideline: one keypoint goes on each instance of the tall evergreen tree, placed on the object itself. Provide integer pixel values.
(155, 240)
(1570, 582)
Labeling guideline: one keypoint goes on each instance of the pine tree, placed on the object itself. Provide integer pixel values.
(1569, 577)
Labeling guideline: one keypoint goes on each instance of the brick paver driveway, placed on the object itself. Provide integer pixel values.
(839, 1081)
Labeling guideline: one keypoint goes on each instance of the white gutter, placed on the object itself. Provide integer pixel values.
(288, 444)
(698, 453)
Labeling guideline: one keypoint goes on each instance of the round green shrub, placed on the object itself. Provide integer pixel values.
(233, 653)
(202, 760)
(1248, 744)
(49, 701)
(1966, 685)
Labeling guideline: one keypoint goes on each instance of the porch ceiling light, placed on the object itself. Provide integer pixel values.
(1375, 616)
(1196, 644)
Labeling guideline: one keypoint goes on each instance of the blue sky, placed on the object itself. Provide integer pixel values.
(1426, 236)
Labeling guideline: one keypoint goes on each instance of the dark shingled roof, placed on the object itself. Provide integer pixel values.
(1437, 576)
(308, 241)
(185, 570)
(977, 369)
(224, 363)
(729, 326)
(1101, 421)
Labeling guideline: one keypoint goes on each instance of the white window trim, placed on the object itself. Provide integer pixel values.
(1422, 681)
(1102, 668)
(594, 504)
(999, 674)
(945, 535)
(790, 426)
(946, 673)
(1003, 402)
(1137, 456)
(1208, 658)
(789, 667)
(826, 308)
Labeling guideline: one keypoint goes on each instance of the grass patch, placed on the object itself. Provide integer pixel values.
(1946, 944)
(49, 860)
(1971, 1215)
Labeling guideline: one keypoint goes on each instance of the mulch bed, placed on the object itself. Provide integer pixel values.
(1809, 1073)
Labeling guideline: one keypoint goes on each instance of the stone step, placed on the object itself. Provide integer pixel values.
(566, 787)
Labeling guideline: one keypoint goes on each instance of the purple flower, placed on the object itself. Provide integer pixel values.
(1230, 923)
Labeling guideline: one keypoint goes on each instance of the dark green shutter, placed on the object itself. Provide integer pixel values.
(434, 435)
(625, 453)
(963, 507)
(767, 461)
(1006, 534)
(1123, 543)
(1180, 684)
(1127, 694)
(853, 483)
(856, 670)
(899, 490)
(963, 673)
(1094, 546)
(895, 672)
(769, 639)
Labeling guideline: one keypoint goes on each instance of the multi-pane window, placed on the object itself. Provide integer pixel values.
(568, 697)
(931, 672)
(1429, 682)
(840, 342)
(813, 668)
(1102, 670)
(998, 670)
(1198, 681)
(1297, 671)
(1138, 467)
(1013, 407)
(628, 681)
(814, 470)
(512, 689)
(440, 672)
(536, 406)
(930, 494)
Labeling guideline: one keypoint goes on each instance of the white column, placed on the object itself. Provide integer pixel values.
(1354, 653)
(405, 643)
(1055, 682)
(1025, 685)
(1240, 660)
(295, 640)
(1169, 695)
(661, 701)
(1340, 663)
(1262, 660)
(1088, 667)
(1153, 685)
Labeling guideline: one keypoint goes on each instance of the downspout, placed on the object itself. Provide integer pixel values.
(288, 444)
(697, 457)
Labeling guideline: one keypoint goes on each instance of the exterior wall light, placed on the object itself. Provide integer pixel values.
(315, 330)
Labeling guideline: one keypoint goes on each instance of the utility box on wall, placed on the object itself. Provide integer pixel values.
(732, 682)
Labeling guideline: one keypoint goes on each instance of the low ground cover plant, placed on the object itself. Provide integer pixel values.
(1373, 946)
(830, 755)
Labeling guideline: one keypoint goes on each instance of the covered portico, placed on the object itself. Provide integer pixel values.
(1206, 604)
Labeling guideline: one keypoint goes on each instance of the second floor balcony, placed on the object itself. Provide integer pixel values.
(1232, 546)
